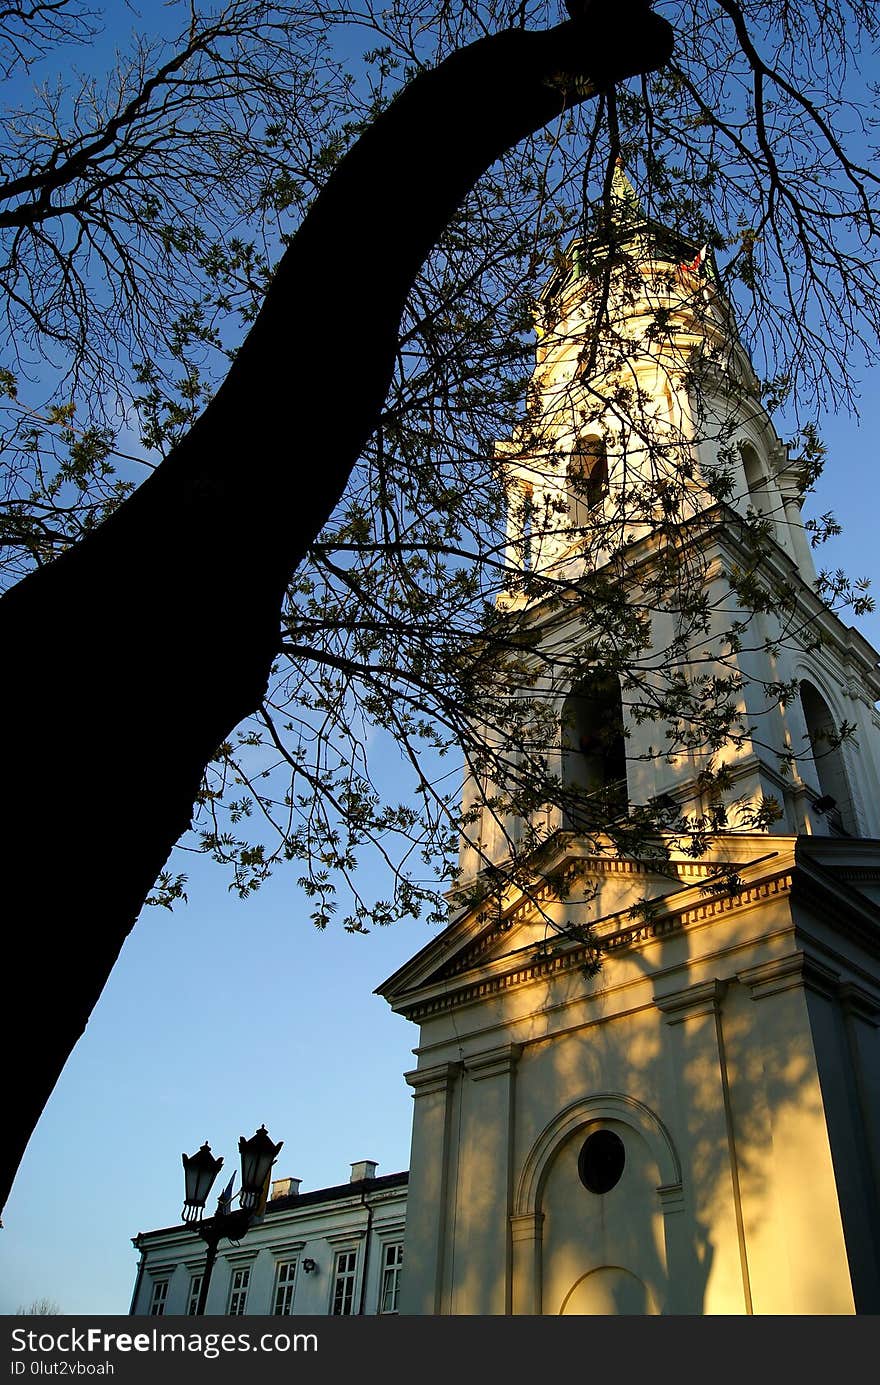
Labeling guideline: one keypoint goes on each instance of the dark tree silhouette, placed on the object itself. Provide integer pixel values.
(130, 658)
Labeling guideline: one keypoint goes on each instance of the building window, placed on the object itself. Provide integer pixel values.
(522, 526)
(159, 1296)
(758, 487)
(594, 754)
(238, 1292)
(285, 1276)
(601, 1161)
(195, 1289)
(392, 1261)
(587, 479)
(825, 743)
(343, 1283)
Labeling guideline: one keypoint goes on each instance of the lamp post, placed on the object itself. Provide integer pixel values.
(258, 1154)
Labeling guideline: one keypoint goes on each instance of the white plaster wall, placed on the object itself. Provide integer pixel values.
(699, 1050)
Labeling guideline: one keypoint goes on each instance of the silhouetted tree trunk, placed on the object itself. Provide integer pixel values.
(130, 659)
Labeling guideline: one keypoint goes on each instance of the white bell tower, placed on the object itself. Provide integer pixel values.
(695, 1127)
(653, 447)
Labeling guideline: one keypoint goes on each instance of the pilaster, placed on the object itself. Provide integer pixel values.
(482, 1284)
(428, 1198)
(799, 1255)
(693, 1015)
(525, 1237)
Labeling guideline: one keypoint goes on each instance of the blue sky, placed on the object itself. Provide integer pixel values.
(218, 1017)
(225, 1014)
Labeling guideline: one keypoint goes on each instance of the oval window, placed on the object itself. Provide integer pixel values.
(601, 1161)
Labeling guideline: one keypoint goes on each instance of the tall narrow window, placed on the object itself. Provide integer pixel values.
(158, 1298)
(828, 759)
(594, 753)
(285, 1278)
(587, 479)
(392, 1261)
(195, 1289)
(759, 486)
(520, 552)
(238, 1292)
(526, 516)
(343, 1283)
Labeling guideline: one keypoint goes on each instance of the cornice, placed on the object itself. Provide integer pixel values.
(849, 913)
(242, 1256)
(826, 889)
(432, 1081)
(165, 1239)
(795, 971)
(861, 1003)
(691, 1002)
(571, 868)
(858, 874)
(494, 1062)
(670, 917)
(539, 968)
(707, 909)
(721, 525)
(348, 1237)
(280, 1248)
(390, 1227)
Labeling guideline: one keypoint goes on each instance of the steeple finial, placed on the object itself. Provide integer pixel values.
(626, 209)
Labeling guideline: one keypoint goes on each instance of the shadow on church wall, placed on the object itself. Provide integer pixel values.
(725, 1203)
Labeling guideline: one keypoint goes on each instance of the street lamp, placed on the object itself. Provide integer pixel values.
(258, 1154)
(199, 1171)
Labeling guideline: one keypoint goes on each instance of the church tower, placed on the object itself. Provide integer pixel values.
(648, 1080)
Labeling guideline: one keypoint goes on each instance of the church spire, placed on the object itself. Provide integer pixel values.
(626, 209)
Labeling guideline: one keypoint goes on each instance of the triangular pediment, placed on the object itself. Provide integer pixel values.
(485, 929)
(574, 886)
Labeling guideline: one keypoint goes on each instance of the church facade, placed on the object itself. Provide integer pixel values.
(647, 1078)
(693, 1127)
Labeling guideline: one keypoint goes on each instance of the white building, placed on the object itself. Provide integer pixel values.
(335, 1251)
(696, 1128)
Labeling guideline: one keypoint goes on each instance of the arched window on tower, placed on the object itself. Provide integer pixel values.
(594, 753)
(587, 479)
(835, 800)
(527, 519)
(520, 528)
(759, 488)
